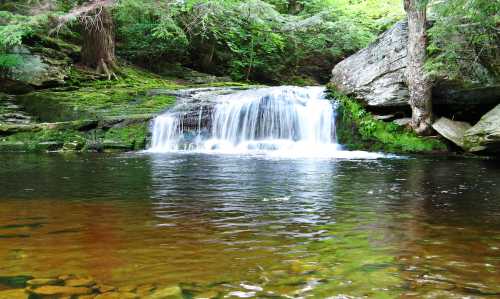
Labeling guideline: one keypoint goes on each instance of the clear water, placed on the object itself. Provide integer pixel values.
(256, 226)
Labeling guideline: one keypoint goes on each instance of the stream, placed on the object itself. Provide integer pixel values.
(249, 195)
(254, 226)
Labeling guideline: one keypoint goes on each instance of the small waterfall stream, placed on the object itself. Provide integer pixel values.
(283, 120)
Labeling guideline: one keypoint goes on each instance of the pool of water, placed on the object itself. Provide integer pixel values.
(255, 226)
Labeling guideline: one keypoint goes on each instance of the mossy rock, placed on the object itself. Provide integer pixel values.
(130, 95)
(14, 146)
(357, 129)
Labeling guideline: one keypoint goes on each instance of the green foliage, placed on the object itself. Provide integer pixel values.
(251, 40)
(254, 40)
(7, 62)
(255, 48)
(373, 14)
(464, 41)
(13, 28)
(242, 37)
(147, 32)
(359, 130)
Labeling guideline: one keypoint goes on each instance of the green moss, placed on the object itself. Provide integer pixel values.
(159, 101)
(46, 139)
(358, 129)
(125, 134)
(88, 98)
(133, 136)
(91, 113)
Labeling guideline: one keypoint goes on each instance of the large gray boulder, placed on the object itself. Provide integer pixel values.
(376, 76)
(451, 130)
(485, 135)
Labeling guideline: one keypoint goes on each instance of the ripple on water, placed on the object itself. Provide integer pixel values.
(293, 227)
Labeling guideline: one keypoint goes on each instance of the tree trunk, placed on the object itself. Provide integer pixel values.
(419, 85)
(98, 49)
(294, 7)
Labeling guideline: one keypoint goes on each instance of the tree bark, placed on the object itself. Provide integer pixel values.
(98, 48)
(294, 7)
(419, 84)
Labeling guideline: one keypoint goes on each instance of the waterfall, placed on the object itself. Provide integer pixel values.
(167, 133)
(286, 119)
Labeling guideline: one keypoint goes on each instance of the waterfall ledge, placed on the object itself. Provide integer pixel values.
(278, 121)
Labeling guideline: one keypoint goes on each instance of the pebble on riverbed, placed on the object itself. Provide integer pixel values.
(74, 287)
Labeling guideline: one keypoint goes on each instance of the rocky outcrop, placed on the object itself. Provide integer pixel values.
(485, 135)
(105, 131)
(39, 69)
(376, 76)
(11, 113)
(46, 62)
(194, 106)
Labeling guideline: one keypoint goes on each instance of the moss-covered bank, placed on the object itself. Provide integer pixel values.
(357, 129)
(109, 134)
(92, 114)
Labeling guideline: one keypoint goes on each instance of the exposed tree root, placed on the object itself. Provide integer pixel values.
(108, 68)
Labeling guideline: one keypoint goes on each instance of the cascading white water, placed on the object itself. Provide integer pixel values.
(284, 120)
(167, 133)
(276, 118)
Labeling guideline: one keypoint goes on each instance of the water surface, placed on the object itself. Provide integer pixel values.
(256, 226)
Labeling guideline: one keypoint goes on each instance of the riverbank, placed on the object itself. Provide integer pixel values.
(89, 114)
(52, 104)
(358, 129)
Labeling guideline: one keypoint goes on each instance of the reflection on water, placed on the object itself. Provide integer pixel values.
(252, 226)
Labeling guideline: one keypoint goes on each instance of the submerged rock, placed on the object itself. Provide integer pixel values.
(13, 146)
(44, 281)
(117, 295)
(80, 282)
(60, 291)
(485, 135)
(451, 130)
(173, 292)
(14, 294)
(212, 294)
(144, 290)
(105, 288)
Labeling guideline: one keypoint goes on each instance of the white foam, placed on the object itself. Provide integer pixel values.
(278, 122)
